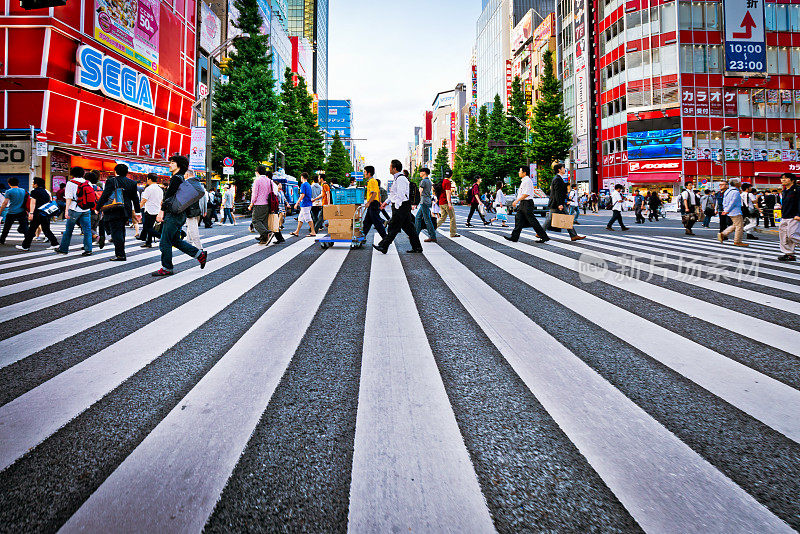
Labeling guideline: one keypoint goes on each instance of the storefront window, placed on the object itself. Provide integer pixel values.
(715, 140)
(700, 59)
(668, 18)
(712, 15)
(697, 15)
(797, 103)
(772, 59)
(783, 60)
(634, 65)
(714, 62)
(743, 103)
(759, 102)
(794, 17)
(685, 12)
(760, 151)
(703, 146)
(687, 58)
(787, 104)
(732, 146)
(745, 147)
(774, 146)
(773, 106)
(781, 18)
(769, 14)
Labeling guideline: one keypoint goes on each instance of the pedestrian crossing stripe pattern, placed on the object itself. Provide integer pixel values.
(412, 464)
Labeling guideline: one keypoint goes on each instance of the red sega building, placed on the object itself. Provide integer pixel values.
(666, 106)
(102, 81)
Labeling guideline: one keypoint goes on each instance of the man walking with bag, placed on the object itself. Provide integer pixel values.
(373, 203)
(172, 221)
(789, 230)
(732, 210)
(152, 198)
(37, 218)
(446, 205)
(689, 208)
(474, 197)
(616, 208)
(558, 194)
(80, 200)
(425, 202)
(118, 202)
(401, 212)
(525, 217)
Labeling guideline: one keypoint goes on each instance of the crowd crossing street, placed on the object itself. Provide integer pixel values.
(645, 381)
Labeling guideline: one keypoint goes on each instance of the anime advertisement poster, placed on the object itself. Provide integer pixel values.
(131, 28)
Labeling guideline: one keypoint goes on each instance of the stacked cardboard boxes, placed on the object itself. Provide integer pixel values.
(344, 220)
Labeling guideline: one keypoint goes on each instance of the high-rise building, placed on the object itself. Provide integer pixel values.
(336, 116)
(309, 19)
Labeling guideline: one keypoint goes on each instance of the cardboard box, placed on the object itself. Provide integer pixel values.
(339, 211)
(342, 229)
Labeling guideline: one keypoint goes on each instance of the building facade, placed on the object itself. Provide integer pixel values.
(336, 116)
(447, 118)
(96, 83)
(309, 19)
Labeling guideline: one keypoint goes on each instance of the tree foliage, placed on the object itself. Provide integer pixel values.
(460, 160)
(552, 137)
(442, 162)
(304, 146)
(246, 125)
(339, 164)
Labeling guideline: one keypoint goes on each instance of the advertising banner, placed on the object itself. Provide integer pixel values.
(745, 43)
(131, 27)
(655, 144)
(453, 138)
(509, 81)
(197, 151)
(581, 81)
(210, 28)
(583, 152)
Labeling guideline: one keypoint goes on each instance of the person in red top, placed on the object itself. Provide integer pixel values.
(446, 204)
(475, 193)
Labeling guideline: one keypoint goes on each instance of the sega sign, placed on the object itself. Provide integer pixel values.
(97, 71)
(745, 42)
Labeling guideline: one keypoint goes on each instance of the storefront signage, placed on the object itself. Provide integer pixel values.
(745, 43)
(509, 81)
(131, 27)
(97, 71)
(15, 157)
(210, 28)
(654, 166)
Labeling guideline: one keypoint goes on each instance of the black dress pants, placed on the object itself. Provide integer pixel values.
(402, 220)
(373, 218)
(617, 216)
(146, 234)
(116, 229)
(21, 218)
(525, 218)
(37, 221)
(472, 209)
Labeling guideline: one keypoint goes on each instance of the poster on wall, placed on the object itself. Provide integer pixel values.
(583, 152)
(131, 27)
(210, 28)
(197, 150)
(655, 144)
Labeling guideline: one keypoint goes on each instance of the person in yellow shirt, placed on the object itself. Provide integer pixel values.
(373, 204)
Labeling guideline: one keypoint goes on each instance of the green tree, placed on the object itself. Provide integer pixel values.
(552, 137)
(313, 138)
(442, 162)
(339, 163)
(477, 150)
(500, 130)
(305, 145)
(460, 160)
(246, 124)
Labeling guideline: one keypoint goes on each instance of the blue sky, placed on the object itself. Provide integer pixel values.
(391, 58)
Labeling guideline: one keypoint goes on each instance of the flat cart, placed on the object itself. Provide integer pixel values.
(354, 228)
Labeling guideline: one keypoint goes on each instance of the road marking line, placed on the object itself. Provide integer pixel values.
(51, 299)
(173, 479)
(770, 334)
(68, 262)
(32, 417)
(661, 481)
(768, 400)
(19, 259)
(411, 469)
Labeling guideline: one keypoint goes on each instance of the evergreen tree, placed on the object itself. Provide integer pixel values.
(314, 141)
(517, 133)
(246, 124)
(460, 161)
(552, 137)
(339, 164)
(499, 165)
(294, 148)
(477, 149)
(442, 162)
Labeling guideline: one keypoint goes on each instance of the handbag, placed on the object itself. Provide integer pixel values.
(481, 208)
(49, 209)
(116, 199)
(274, 223)
(560, 220)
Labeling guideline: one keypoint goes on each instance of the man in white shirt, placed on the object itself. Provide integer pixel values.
(401, 212)
(616, 207)
(574, 204)
(525, 217)
(689, 208)
(75, 214)
(749, 202)
(152, 197)
(227, 205)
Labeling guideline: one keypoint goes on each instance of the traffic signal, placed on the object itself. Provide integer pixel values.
(223, 64)
(41, 4)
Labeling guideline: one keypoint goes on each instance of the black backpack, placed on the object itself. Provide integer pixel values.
(438, 189)
(413, 193)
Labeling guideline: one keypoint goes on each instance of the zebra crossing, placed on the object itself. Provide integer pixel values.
(671, 400)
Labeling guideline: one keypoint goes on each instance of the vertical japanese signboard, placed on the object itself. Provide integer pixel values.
(745, 42)
(582, 74)
(453, 138)
(508, 82)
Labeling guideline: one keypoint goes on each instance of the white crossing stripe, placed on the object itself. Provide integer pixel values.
(32, 417)
(411, 469)
(689, 275)
(24, 258)
(770, 401)
(70, 262)
(34, 304)
(663, 483)
(770, 334)
(22, 345)
(759, 247)
(661, 250)
(173, 479)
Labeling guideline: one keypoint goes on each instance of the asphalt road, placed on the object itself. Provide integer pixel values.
(632, 381)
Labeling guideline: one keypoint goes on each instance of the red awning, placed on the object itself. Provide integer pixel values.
(653, 177)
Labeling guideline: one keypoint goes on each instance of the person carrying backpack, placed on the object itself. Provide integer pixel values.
(173, 216)
(474, 198)
(119, 202)
(80, 199)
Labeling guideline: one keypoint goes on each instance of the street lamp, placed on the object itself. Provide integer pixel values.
(210, 98)
(527, 133)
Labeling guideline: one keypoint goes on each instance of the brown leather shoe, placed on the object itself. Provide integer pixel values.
(741, 244)
(429, 240)
(578, 237)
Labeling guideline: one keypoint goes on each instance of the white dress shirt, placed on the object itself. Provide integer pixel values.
(616, 201)
(399, 191)
(526, 188)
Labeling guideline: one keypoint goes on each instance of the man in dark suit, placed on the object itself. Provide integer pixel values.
(558, 195)
(116, 218)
